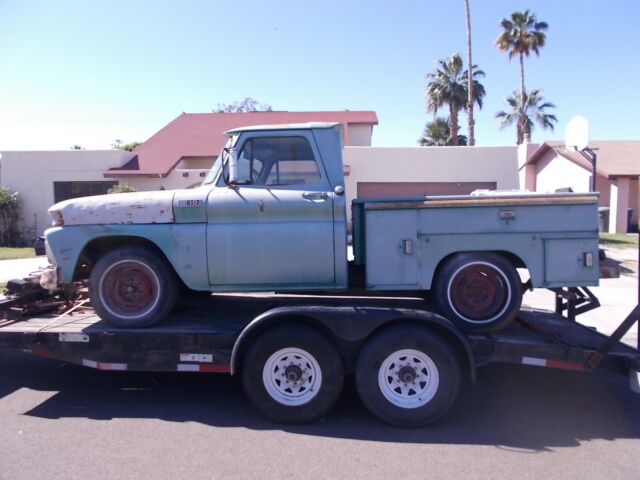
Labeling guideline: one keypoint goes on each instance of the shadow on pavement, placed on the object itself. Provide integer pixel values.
(513, 407)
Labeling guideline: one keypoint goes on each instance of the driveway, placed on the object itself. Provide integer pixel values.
(10, 269)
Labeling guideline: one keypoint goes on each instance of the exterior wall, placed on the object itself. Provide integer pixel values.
(555, 172)
(360, 135)
(527, 173)
(634, 202)
(429, 164)
(32, 174)
(178, 178)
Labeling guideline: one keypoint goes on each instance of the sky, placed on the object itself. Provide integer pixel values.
(90, 72)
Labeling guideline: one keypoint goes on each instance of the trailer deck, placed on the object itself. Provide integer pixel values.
(201, 333)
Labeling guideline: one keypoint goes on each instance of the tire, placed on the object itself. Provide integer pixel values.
(292, 374)
(131, 287)
(478, 292)
(408, 376)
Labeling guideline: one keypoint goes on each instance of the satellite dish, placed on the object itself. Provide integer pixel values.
(576, 134)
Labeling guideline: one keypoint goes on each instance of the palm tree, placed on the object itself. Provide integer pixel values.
(470, 120)
(436, 134)
(448, 86)
(521, 35)
(524, 113)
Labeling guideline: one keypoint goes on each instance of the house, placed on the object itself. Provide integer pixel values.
(180, 154)
(550, 167)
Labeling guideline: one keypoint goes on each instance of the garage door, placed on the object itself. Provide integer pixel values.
(419, 189)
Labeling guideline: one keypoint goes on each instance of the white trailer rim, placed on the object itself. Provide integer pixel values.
(292, 376)
(408, 378)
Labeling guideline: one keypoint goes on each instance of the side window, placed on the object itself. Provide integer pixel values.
(287, 161)
(276, 161)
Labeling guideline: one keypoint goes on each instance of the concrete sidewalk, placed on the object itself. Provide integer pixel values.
(10, 269)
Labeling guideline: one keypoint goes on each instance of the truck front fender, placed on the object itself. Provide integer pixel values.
(183, 245)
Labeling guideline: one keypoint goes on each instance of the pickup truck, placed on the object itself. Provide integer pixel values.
(271, 216)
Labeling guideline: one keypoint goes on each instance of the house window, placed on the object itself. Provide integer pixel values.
(66, 190)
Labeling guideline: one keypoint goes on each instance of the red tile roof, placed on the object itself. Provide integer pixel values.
(201, 134)
(616, 158)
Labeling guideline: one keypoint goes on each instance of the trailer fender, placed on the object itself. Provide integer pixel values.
(350, 324)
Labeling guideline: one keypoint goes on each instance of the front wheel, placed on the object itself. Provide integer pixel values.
(130, 287)
(408, 376)
(292, 374)
(479, 292)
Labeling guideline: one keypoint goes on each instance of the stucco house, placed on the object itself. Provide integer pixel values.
(550, 167)
(180, 154)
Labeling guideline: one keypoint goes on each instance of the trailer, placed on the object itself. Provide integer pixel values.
(293, 351)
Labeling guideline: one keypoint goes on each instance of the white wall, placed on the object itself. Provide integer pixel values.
(32, 174)
(360, 135)
(556, 172)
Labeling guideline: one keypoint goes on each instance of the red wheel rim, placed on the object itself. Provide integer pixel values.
(478, 292)
(130, 288)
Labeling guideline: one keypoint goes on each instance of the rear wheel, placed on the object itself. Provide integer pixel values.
(479, 292)
(292, 374)
(131, 287)
(408, 376)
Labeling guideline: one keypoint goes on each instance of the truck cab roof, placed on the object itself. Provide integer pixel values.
(285, 126)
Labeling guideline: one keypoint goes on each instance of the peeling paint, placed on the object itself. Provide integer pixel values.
(121, 208)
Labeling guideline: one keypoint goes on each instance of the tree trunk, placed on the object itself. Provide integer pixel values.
(521, 117)
(453, 125)
(471, 121)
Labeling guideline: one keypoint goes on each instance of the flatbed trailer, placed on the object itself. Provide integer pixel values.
(293, 351)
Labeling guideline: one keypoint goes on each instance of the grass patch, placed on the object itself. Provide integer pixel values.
(619, 240)
(7, 253)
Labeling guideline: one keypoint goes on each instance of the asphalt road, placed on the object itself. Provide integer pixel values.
(60, 421)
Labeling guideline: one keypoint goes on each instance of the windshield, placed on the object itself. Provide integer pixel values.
(215, 169)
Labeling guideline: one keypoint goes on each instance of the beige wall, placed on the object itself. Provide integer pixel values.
(32, 174)
(430, 164)
(360, 135)
(178, 178)
(555, 172)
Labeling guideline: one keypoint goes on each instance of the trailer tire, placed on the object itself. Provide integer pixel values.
(408, 376)
(130, 287)
(478, 292)
(292, 374)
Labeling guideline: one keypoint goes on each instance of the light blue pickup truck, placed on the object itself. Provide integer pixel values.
(271, 216)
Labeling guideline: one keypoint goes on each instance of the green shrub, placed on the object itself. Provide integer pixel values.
(9, 212)
(122, 188)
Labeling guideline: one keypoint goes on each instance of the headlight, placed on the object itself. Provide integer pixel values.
(56, 218)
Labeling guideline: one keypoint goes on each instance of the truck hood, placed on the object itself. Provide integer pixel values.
(138, 207)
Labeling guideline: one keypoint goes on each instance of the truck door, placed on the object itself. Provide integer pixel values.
(274, 228)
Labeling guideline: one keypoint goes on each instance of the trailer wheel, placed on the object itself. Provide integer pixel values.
(292, 374)
(130, 287)
(479, 292)
(408, 376)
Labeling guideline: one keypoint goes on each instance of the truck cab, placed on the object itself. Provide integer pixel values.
(275, 209)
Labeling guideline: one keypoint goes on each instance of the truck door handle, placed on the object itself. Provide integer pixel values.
(315, 196)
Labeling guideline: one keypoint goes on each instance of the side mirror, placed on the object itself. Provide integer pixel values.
(231, 158)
